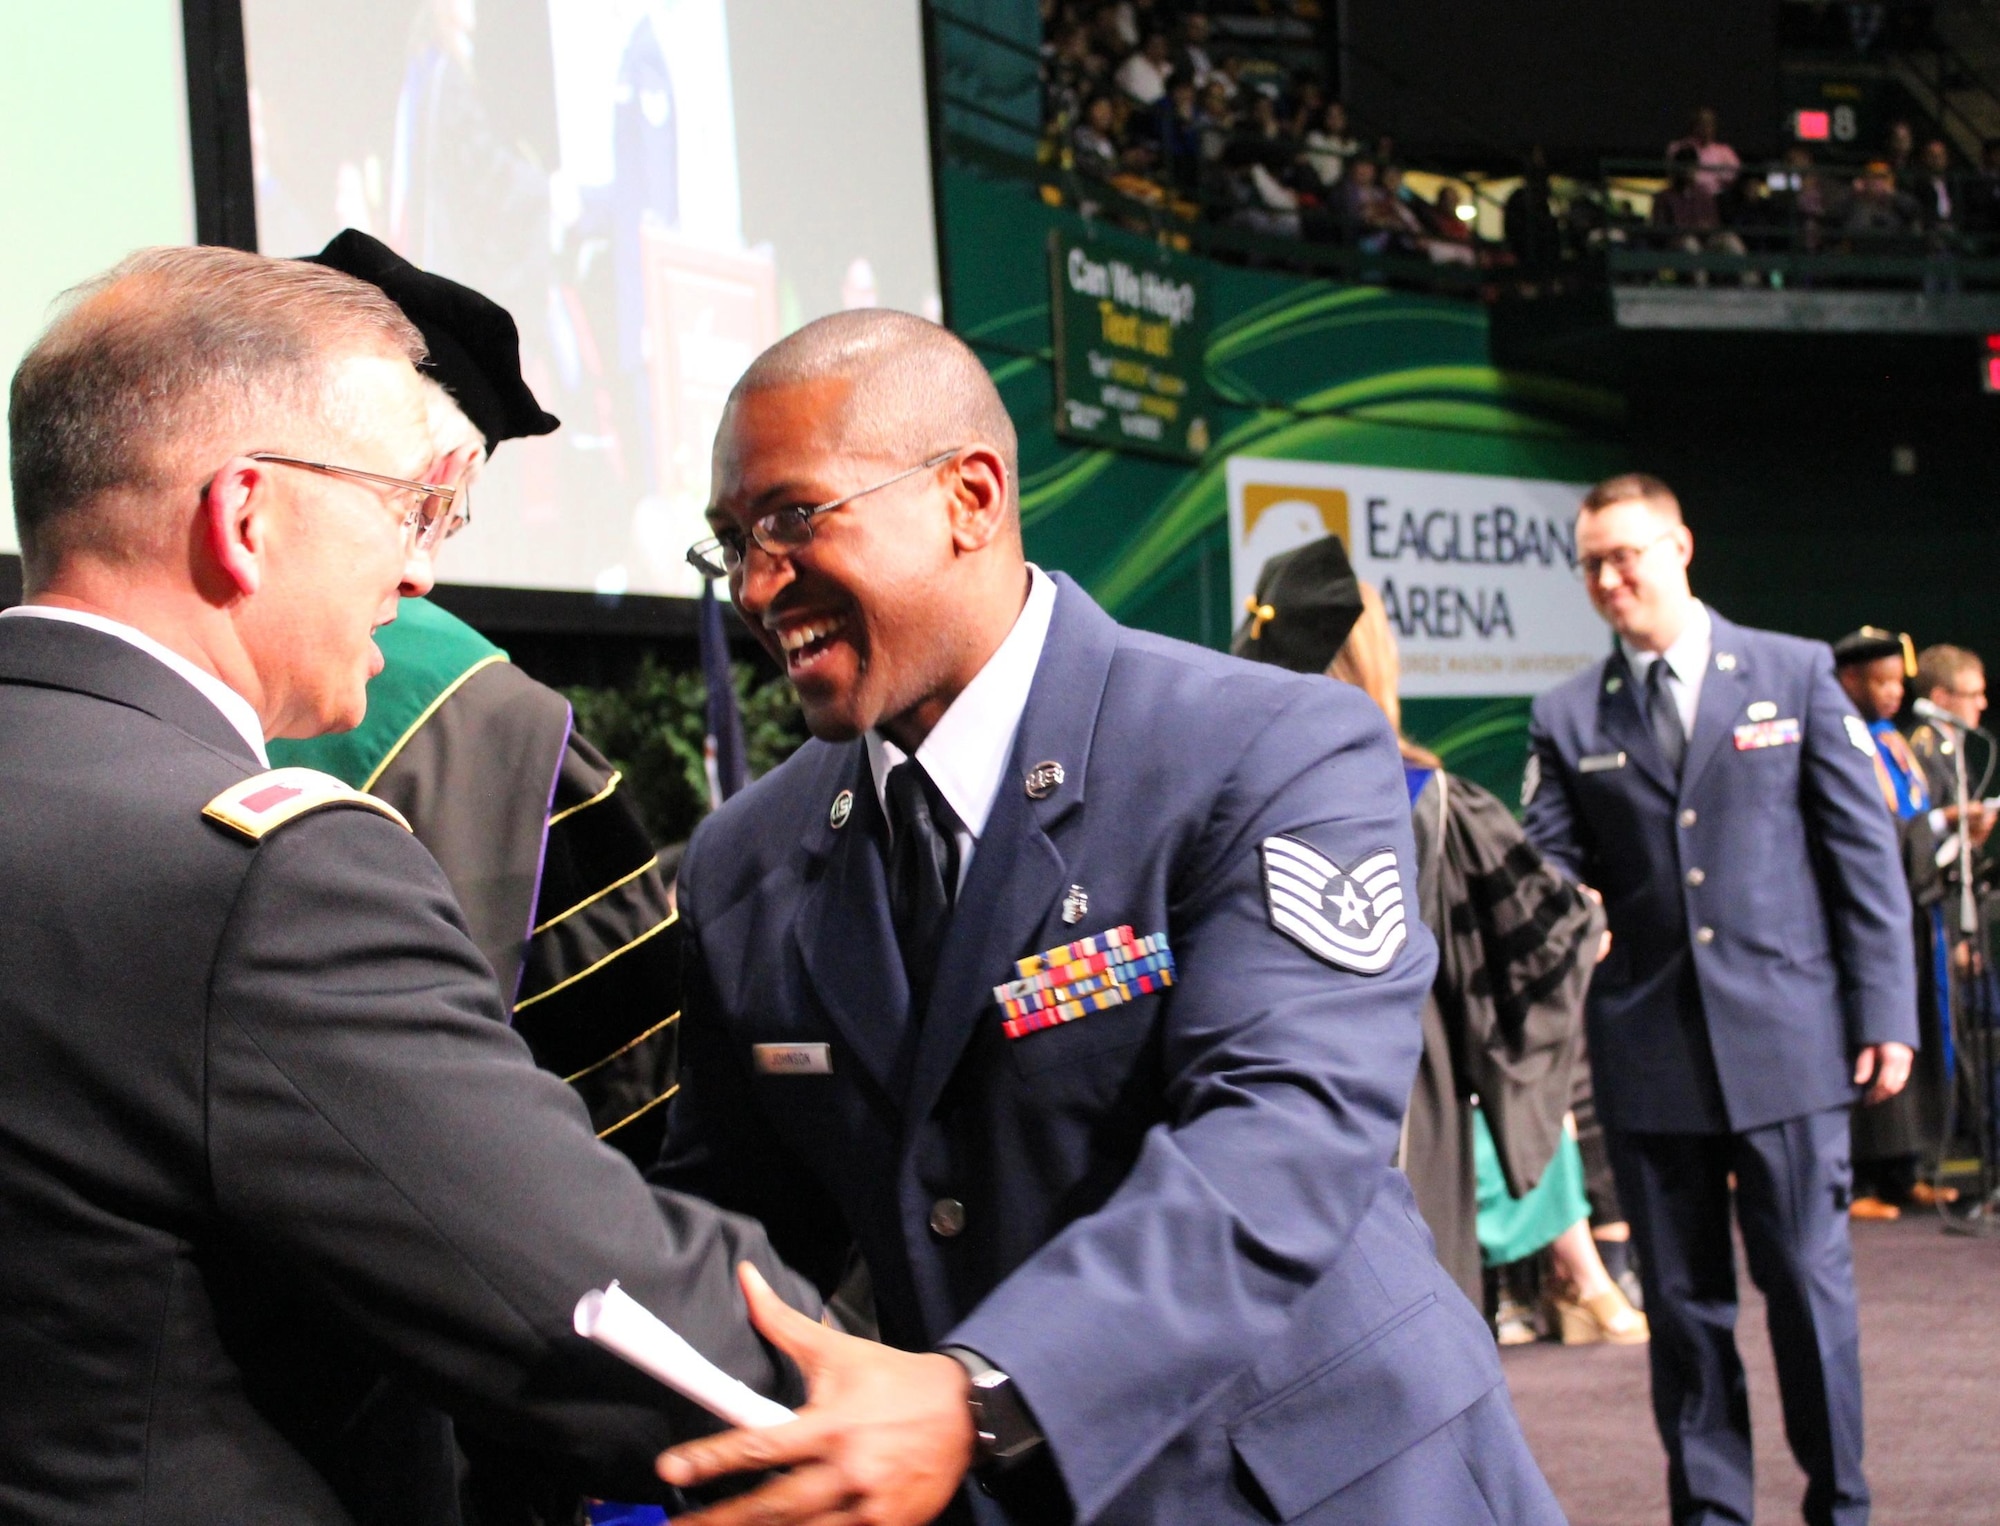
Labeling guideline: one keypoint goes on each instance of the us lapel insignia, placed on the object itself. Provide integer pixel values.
(1043, 779)
(1762, 710)
(1076, 905)
(1725, 662)
(843, 807)
(1104, 970)
(1352, 919)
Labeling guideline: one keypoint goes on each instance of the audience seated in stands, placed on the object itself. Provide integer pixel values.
(1205, 117)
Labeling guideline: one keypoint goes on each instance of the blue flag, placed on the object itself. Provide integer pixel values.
(723, 753)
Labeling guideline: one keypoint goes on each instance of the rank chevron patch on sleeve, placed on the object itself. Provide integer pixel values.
(1353, 919)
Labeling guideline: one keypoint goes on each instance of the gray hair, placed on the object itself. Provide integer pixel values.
(169, 352)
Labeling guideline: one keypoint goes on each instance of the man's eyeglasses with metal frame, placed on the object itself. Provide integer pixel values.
(439, 512)
(785, 530)
(1620, 561)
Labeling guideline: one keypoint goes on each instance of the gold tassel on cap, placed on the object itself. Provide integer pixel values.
(1909, 654)
(1261, 615)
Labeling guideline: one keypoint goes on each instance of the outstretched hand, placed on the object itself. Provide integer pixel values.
(1887, 1065)
(885, 1436)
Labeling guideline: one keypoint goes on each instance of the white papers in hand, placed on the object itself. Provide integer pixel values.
(621, 1325)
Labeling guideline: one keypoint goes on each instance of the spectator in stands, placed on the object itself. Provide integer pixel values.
(1263, 154)
(1261, 137)
(1230, 73)
(1144, 75)
(1217, 120)
(1193, 59)
(1400, 214)
(1901, 149)
(1094, 142)
(1980, 214)
(1798, 203)
(1071, 75)
(1357, 205)
(1306, 107)
(1878, 210)
(1718, 161)
(1450, 219)
(1127, 22)
(1329, 146)
(1930, 187)
(1686, 215)
(1528, 222)
(1177, 132)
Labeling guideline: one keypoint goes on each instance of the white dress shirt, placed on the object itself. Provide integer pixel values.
(234, 707)
(967, 750)
(1687, 662)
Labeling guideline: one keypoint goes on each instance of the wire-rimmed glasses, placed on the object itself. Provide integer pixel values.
(785, 530)
(440, 511)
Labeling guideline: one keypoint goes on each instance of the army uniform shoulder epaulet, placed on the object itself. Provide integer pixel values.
(257, 806)
(1927, 742)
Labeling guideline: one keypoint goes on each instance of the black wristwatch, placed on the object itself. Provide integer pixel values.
(1006, 1432)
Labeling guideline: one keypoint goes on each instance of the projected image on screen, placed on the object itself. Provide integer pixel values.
(656, 189)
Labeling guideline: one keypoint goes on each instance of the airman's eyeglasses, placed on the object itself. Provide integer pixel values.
(1621, 561)
(785, 530)
(439, 512)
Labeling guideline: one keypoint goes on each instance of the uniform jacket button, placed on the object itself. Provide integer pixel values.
(1696, 876)
(1702, 935)
(947, 1217)
(1688, 817)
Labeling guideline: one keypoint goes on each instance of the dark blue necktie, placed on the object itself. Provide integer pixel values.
(923, 873)
(1665, 717)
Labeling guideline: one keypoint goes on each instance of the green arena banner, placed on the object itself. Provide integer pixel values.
(1131, 329)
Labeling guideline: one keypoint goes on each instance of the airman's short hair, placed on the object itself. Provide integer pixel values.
(1629, 487)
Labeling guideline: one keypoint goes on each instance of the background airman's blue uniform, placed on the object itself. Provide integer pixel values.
(1171, 1221)
(1759, 923)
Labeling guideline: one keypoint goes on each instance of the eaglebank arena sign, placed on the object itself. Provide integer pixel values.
(1476, 573)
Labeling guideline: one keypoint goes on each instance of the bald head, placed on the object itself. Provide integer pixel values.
(913, 389)
(866, 491)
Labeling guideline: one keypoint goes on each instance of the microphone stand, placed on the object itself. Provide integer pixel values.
(1975, 1035)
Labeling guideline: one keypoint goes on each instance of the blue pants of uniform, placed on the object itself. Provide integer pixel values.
(1792, 1185)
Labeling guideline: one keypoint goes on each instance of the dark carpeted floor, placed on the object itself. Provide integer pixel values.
(1930, 1352)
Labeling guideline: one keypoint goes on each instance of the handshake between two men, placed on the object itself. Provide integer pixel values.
(885, 1437)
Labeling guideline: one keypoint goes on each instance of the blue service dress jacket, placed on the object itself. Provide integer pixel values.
(1171, 1219)
(1759, 916)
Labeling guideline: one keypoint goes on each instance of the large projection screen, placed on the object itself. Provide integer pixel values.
(94, 144)
(656, 189)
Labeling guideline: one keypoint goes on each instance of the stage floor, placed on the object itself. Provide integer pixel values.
(1930, 1352)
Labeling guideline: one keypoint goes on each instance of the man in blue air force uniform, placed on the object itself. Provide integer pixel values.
(1715, 786)
(1071, 975)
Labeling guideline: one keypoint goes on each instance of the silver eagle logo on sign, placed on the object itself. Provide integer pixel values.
(1353, 919)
